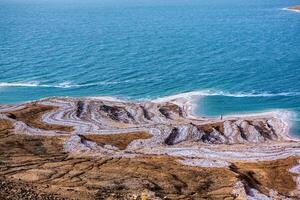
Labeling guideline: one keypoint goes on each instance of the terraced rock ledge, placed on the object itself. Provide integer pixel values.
(100, 148)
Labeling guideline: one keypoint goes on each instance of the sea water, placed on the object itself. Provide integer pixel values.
(241, 56)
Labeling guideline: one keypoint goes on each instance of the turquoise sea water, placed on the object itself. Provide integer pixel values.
(243, 55)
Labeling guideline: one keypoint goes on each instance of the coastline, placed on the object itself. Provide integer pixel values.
(201, 100)
(162, 132)
(284, 115)
(187, 101)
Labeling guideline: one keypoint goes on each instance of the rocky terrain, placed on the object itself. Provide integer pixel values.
(102, 148)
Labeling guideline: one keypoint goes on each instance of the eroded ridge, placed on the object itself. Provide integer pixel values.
(99, 148)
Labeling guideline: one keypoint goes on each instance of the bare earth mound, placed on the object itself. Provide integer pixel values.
(65, 148)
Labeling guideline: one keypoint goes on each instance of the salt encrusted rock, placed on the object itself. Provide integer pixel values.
(183, 133)
(205, 163)
(172, 123)
(233, 133)
(151, 142)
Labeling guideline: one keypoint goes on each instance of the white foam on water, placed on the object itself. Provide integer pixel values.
(187, 95)
(290, 9)
(245, 94)
(65, 84)
(212, 92)
(20, 84)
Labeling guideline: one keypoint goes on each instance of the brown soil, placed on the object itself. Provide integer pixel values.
(31, 115)
(36, 167)
(5, 126)
(41, 163)
(18, 190)
(208, 128)
(270, 174)
(118, 140)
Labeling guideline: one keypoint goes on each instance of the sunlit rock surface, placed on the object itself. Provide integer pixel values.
(100, 148)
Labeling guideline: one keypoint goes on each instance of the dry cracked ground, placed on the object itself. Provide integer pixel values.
(37, 166)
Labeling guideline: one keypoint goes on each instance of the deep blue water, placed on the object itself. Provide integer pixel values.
(245, 55)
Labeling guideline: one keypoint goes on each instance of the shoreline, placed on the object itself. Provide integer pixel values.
(139, 135)
(187, 101)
